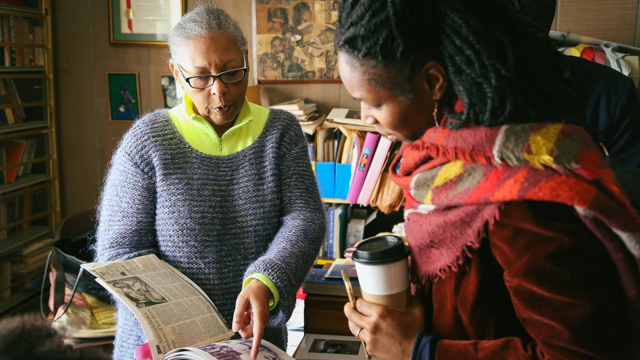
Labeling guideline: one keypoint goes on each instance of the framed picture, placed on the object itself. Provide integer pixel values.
(294, 41)
(143, 22)
(124, 96)
(171, 94)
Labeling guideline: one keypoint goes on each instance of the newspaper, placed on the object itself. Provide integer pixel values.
(229, 350)
(172, 310)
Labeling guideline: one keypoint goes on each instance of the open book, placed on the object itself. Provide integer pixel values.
(178, 318)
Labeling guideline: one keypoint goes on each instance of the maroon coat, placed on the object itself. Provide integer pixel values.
(540, 286)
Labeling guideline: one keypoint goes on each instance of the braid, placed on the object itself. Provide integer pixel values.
(501, 72)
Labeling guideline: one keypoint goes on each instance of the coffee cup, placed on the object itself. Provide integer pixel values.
(383, 270)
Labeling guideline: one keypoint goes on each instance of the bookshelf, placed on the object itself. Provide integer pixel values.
(29, 187)
(347, 220)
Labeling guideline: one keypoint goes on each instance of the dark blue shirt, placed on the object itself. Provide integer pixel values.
(612, 108)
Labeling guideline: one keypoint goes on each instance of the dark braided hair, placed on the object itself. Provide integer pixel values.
(502, 72)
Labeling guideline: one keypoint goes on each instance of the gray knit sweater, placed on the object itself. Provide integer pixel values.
(217, 219)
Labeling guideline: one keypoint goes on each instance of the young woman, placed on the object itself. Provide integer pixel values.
(522, 245)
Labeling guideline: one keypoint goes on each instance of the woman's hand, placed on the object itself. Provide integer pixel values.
(252, 313)
(388, 333)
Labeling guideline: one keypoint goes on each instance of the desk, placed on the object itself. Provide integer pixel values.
(325, 315)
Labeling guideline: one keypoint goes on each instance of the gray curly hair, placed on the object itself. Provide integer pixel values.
(203, 21)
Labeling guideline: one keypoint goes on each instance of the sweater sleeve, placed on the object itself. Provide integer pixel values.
(296, 244)
(563, 285)
(126, 213)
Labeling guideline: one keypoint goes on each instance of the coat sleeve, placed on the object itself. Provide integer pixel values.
(297, 242)
(564, 287)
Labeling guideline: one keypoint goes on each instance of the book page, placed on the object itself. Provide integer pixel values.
(173, 311)
(229, 350)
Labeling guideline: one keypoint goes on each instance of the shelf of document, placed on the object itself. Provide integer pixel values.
(21, 69)
(24, 181)
(22, 10)
(18, 239)
(17, 298)
(334, 201)
(22, 126)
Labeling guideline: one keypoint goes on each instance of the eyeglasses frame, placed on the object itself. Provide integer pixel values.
(243, 69)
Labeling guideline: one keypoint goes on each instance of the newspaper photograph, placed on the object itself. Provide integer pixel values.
(172, 310)
(229, 350)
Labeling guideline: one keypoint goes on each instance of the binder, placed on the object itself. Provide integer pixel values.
(364, 163)
(325, 175)
(374, 171)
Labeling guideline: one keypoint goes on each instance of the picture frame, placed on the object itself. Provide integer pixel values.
(293, 41)
(143, 22)
(171, 94)
(124, 96)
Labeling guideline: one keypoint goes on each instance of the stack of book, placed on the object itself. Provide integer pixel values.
(347, 116)
(306, 113)
(29, 263)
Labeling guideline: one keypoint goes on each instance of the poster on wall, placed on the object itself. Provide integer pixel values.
(171, 94)
(124, 96)
(294, 41)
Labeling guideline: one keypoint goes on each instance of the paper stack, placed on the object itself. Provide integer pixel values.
(306, 113)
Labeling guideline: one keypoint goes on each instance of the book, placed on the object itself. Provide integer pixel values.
(339, 230)
(310, 126)
(330, 347)
(29, 154)
(14, 150)
(347, 116)
(13, 91)
(6, 39)
(12, 39)
(304, 110)
(377, 162)
(364, 162)
(7, 98)
(335, 271)
(149, 287)
(5, 279)
(289, 105)
(3, 162)
(330, 232)
(317, 283)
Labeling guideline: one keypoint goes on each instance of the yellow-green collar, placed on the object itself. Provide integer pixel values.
(244, 116)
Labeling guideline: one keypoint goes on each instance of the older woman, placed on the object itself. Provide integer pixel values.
(522, 246)
(220, 188)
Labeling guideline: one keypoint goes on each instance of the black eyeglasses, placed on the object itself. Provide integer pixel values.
(227, 77)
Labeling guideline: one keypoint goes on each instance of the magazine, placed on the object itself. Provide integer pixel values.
(177, 317)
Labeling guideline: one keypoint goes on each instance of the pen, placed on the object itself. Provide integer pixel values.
(352, 300)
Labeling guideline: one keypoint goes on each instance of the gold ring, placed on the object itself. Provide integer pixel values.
(358, 333)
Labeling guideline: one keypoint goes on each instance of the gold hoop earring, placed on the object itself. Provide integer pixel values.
(435, 113)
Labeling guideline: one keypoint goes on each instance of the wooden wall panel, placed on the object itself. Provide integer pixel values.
(74, 99)
(83, 56)
(612, 20)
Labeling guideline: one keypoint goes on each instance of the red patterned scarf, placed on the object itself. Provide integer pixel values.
(456, 180)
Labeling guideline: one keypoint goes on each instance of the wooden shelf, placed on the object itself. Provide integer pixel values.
(335, 201)
(21, 69)
(24, 181)
(19, 239)
(22, 126)
(35, 195)
(17, 298)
